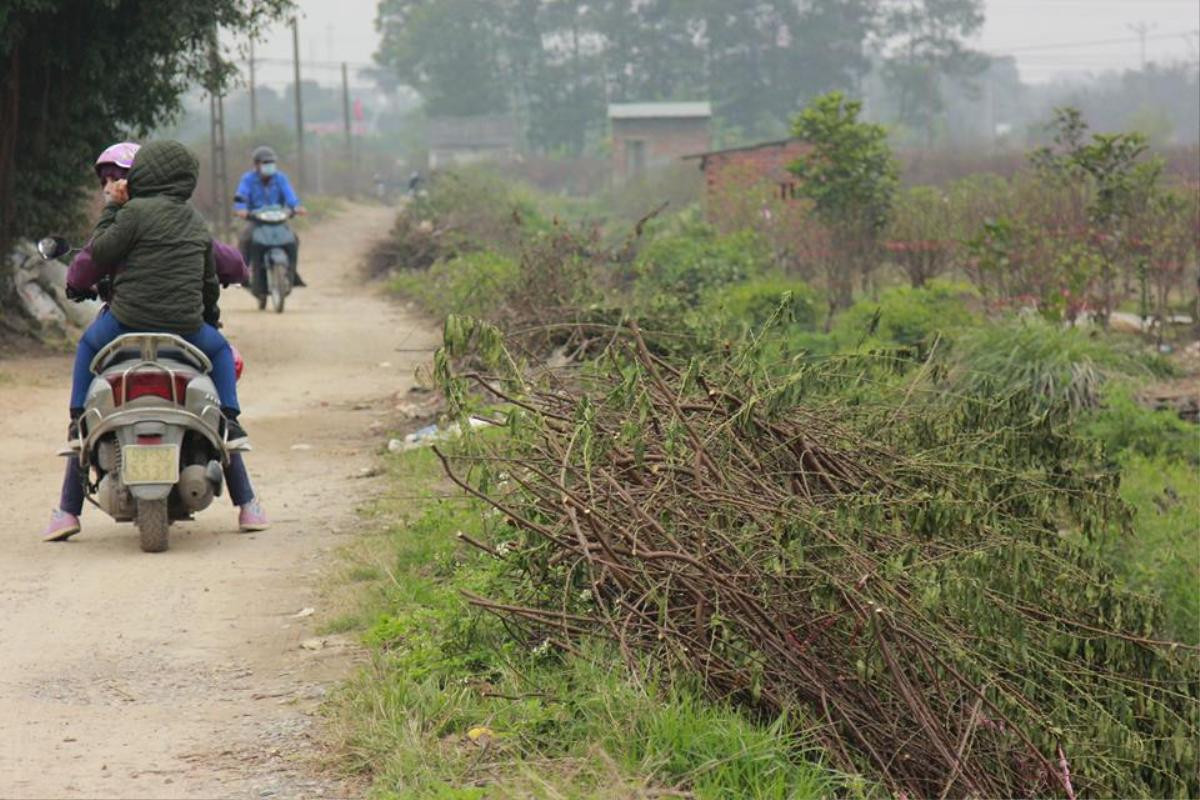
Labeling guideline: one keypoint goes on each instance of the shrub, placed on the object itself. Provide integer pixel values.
(1127, 428)
(1056, 366)
(686, 264)
(906, 316)
(473, 283)
(753, 304)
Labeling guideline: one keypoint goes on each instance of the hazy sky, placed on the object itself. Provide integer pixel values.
(1050, 38)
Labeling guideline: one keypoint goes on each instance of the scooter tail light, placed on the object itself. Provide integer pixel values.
(149, 383)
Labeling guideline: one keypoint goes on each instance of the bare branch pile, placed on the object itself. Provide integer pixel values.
(910, 577)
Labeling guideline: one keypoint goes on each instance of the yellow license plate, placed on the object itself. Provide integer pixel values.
(156, 463)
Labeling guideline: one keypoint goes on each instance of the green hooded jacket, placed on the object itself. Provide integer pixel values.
(165, 279)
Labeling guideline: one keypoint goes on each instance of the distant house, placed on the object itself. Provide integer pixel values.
(738, 170)
(647, 135)
(467, 140)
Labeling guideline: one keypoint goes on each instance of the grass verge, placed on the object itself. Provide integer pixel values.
(451, 706)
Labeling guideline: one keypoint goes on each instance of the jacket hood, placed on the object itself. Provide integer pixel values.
(164, 167)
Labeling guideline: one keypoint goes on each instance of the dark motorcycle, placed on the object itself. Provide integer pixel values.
(271, 272)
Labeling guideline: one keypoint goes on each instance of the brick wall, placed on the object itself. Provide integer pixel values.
(663, 141)
(761, 169)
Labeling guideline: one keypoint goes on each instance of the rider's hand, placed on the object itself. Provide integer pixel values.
(79, 295)
(300, 211)
(117, 192)
(241, 212)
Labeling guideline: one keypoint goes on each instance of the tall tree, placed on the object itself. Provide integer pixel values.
(851, 176)
(450, 51)
(75, 75)
(924, 46)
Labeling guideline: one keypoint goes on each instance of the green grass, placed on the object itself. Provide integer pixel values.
(1162, 556)
(558, 725)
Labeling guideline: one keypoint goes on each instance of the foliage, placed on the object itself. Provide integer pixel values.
(905, 316)
(678, 268)
(577, 726)
(1159, 557)
(926, 47)
(461, 212)
(1128, 429)
(850, 175)
(472, 283)
(1031, 361)
(752, 304)
(1109, 172)
(921, 234)
(556, 65)
(915, 574)
(76, 77)
(448, 51)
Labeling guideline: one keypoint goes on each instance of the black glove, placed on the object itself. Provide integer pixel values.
(79, 295)
(213, 316)
(104, 288)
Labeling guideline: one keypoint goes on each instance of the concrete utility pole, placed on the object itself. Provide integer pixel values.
(253, 93)
(346, 119)
(220, 175)
(299, 106)
(1142, 29)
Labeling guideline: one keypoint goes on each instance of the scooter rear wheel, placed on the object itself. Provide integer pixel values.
(152, 524)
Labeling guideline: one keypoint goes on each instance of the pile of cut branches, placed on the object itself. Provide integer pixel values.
(908, 576)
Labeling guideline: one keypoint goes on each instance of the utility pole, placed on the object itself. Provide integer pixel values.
(299, 105)
(1141, 29)
(346, 119)
(216, 106)
(253, 93)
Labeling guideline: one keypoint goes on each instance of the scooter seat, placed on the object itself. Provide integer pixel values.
(134, 354)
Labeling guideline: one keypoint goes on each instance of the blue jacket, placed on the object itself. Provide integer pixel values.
(253, 194)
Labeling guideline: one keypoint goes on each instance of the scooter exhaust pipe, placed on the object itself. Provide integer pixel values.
(195, 487)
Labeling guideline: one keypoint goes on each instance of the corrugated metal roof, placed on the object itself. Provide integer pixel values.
(659, 110)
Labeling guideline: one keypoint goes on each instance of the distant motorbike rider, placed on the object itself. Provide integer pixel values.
(266, 185)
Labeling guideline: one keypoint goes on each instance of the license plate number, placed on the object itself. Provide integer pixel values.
(158, 463)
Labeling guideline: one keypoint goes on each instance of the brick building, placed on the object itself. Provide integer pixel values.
(467, 140)
(648, 135)
(757, 173)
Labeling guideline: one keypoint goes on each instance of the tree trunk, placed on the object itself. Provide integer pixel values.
(10, 122)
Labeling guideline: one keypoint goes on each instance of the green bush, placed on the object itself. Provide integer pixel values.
(1161, 556)
(1127, 428)
(472, 284)
(754, 303)
(1049, 363)
(906, 316)
(679, 268)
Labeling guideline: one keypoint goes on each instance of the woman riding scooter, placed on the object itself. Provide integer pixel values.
(159, 175)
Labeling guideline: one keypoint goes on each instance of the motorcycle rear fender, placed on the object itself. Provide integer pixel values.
(151, 491)
(277, 255)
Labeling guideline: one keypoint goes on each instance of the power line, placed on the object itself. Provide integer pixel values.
(1069, 45)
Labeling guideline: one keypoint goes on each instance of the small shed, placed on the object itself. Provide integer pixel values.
(647, 135)
(737, 170)
(466, 140)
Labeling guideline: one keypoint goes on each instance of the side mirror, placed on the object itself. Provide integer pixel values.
(52, 247)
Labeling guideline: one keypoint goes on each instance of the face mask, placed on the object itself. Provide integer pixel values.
(267, 168)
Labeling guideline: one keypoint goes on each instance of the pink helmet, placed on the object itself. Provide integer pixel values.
(119, 155)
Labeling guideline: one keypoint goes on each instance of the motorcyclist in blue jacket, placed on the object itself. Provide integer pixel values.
(266, 185)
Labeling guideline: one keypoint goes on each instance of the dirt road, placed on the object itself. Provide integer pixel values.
(183, 674)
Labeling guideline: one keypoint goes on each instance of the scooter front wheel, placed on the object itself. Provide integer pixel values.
(152, 524)
(279, 286)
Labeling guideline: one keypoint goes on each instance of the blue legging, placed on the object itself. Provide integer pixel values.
(236, 478)
(106, 327)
